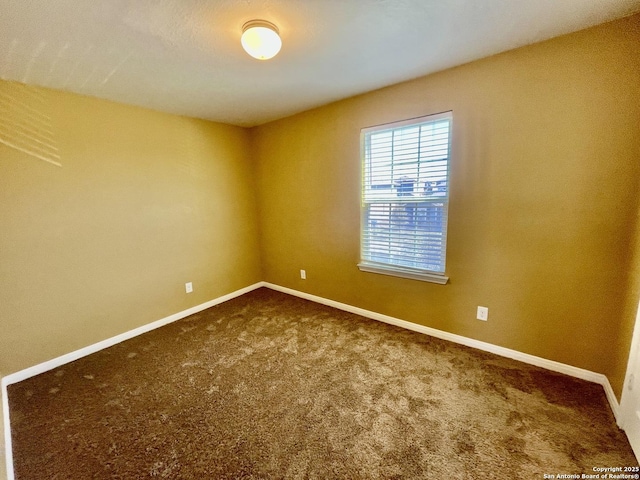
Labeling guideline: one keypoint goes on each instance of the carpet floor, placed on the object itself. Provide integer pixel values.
(271, 386)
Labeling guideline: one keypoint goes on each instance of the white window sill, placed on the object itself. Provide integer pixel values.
(404, 273)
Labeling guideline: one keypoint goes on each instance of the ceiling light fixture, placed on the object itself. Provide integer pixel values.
(261, 39)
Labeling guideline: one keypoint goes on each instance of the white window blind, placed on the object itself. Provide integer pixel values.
(405, 197)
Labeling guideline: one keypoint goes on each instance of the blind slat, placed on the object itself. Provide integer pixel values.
(405, 193)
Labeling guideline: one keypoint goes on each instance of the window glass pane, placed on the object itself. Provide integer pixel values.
(406, 234)
(405, 194)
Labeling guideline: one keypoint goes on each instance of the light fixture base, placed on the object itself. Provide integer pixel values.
(259, 23)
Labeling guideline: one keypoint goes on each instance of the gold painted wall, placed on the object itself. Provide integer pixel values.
(544, 175)
(143, 203)
(544, 203)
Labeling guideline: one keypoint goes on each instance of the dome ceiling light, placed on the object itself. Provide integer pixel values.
(261, 39)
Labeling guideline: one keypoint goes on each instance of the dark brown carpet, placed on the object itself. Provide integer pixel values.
(272, 386)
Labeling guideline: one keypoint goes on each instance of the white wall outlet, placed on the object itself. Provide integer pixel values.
(303, 274)
(483, 313)
(188, 287)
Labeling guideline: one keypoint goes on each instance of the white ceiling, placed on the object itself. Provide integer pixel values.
(184, 56)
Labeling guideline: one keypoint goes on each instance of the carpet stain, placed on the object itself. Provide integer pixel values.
(463, 443)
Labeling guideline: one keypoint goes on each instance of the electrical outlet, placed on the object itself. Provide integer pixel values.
(188, 287)
(483, 314)
(303, 274)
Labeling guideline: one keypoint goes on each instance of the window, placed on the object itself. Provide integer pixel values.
(405, 196)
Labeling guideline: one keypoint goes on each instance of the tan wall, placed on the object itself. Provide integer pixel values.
(143, 203)
(545, 162)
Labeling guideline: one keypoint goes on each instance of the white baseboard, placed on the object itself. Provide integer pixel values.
(613, 400)
(552, 365)
(96, 347)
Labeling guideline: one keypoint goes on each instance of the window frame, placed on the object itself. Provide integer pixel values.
(367, 265)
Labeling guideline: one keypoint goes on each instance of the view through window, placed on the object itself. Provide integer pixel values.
(405, 195)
